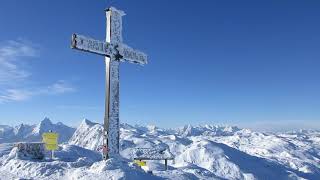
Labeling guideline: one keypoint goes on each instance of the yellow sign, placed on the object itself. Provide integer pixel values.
(50, 140)
(140, 163)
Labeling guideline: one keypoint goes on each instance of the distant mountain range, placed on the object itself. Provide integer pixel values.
(28, 133)
(201, 152)
(224, 151)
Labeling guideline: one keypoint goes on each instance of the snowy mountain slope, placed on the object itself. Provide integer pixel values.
(88, 135)
(301, 155)
(224, 151)
(30, 133)
(201, 152)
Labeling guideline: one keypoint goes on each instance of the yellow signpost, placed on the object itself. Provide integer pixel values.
(51, 141)
(140, 163)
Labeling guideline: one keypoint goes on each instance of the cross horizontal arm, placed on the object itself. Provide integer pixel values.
(132, 55)
(83, 43)
(119, 51)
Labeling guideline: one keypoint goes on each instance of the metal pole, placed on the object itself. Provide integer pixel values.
(111, 127)
(107, 98)
(166, 164)
(52, 155)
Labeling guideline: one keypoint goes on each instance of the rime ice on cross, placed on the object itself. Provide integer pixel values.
(114, 51)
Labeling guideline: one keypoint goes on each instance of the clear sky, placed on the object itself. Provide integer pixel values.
(219, 62)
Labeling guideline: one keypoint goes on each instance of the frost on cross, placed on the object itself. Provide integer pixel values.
(114, 51)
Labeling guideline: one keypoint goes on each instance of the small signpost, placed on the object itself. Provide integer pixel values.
(51, 142)
(114, 51)
(156, 153)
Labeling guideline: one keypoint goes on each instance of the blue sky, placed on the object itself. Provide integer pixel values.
(249, 63)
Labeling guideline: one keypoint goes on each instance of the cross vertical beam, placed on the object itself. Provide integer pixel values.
(111, 117)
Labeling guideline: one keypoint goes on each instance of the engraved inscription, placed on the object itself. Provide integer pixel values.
(91, 45)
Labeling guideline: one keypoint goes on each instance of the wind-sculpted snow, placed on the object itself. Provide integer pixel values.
(72, 162)
(68, 156)
(201, 152)
(114, 168)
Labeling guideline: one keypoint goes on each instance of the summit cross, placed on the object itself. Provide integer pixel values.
(114, 51)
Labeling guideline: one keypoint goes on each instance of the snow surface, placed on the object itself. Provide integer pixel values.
(201, 152)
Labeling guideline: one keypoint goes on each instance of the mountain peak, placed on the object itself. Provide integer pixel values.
(22, 129)
(87, 122)
(46, 120)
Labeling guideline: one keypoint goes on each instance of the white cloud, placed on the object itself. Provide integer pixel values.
(14, 59)
(13, 55)
(14, 95)
(59, 87)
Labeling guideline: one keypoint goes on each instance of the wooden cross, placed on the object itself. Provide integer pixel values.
(114, 51)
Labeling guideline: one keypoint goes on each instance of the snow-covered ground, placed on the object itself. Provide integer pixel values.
(201, 152)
